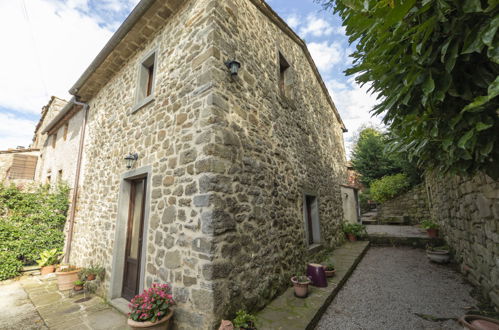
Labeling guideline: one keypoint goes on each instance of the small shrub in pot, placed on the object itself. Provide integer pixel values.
(244, 321)
(152, 309)
(300, 285)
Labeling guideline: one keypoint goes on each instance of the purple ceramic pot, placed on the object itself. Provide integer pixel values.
(317, 275)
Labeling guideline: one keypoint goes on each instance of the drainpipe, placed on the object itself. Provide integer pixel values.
(77, 179)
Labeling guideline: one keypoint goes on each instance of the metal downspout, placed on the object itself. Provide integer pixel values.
(77, 179)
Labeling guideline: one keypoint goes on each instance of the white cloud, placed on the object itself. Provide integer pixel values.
(50, 44)
(316, 26)
(354, 104)
(326, 54)
(15, 131)
(293, 21)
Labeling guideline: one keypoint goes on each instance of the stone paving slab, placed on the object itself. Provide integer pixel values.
(289, 312)
(62, 310)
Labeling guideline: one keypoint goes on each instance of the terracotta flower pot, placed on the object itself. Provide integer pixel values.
(352, 237)
(329, 273)
(433, 233)
(301, 289)
(477, 322)
(90, 277)
(163, 324)
(65, 280)
(47, 270)
(78, 287)
(438, 256)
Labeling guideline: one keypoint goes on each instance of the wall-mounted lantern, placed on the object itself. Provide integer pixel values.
(131, 159)
(233, 66)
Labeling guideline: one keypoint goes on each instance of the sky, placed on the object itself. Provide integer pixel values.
(51, 42)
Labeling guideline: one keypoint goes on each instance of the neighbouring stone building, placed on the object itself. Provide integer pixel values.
(18, 165)
(467, 210)
(233, 181)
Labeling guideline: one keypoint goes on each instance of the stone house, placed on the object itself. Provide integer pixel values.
(232, 181)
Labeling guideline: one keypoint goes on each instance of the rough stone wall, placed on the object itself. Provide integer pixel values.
(411, 206)
(40, 140)
(6, 162)
(65, 154)
(279, 148)
(170, 134)
(467, 210)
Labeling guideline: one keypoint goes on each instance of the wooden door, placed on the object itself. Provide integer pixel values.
(131, 274)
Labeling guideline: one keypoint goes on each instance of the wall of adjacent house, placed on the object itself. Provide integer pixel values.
(58, 163)
(173, 137)
(279, 147)
(350, 200)
(410, 207)
(18, 167)
(467, 210)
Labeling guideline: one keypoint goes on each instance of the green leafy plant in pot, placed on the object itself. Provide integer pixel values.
(92, 272)
(146, 314)
(300, 285)
(431, 227)
(48, 260)
(353, 231)
(78, 285)
(244, 320)
(329, 269)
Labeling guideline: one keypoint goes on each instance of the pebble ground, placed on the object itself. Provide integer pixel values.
(398, 288)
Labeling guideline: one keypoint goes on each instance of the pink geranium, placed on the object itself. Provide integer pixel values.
(152, 304)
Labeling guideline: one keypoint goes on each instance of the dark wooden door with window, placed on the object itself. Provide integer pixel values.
(131, 274)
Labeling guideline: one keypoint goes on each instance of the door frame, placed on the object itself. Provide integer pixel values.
(118, 263)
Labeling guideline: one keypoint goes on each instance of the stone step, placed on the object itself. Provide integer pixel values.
(289, 312)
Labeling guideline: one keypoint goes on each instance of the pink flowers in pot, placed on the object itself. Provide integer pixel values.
(152, 304)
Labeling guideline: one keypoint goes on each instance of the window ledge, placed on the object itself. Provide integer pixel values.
(316, 247)
(139, 105)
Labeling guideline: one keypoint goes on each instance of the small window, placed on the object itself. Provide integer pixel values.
(54, 140)
(48, 179)
(146, 80)
(59, 176)
(311, 212)
(283, 74)
(66, 126)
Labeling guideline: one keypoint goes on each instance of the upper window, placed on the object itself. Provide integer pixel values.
(146, 80)
(283, 74)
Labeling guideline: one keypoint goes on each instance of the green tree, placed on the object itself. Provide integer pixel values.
(435, 65)
(369, 157)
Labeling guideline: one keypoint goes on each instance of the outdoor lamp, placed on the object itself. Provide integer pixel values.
(233, 66)
(131, 159)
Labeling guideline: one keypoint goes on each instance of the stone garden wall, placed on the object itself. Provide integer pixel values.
(467, 210)
(411, 207)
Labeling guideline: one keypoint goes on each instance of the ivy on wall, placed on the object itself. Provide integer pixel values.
(30, 222)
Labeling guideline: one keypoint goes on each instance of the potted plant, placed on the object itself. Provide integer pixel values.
(438, 254)
(48, 260)
(78, 285)
(478, 322)
(431, 227)
(152, 308)
(300, 284)
(354, 231)
(244, 320)
(92, 272)
(66, 276)
(329, 269)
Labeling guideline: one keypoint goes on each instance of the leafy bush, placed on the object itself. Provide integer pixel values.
(10, 266)
(429, 224)
(31, 222)
(356, 229)
(389, 187)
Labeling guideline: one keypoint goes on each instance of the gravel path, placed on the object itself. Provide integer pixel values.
(390, 286)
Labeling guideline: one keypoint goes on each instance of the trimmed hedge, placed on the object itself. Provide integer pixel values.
(30, 222)
(388, 187)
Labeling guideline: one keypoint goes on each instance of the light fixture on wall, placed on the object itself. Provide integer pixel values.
(233, 66)
(131, 159)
